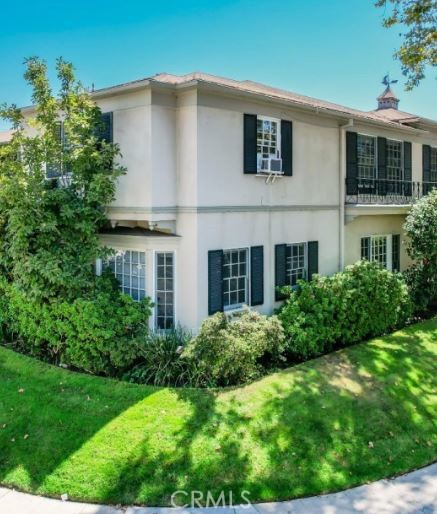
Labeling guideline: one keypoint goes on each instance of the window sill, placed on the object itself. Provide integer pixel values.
(235, 310)
(263, 173)
(269, 176)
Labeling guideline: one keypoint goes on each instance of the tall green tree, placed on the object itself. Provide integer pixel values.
(419, 47)
(49, 227)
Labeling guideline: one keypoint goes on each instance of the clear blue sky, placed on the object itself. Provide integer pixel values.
(336, 50)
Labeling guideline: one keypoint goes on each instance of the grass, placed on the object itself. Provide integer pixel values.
(350, 417)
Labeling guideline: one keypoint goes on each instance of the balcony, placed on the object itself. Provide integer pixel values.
(385, 192)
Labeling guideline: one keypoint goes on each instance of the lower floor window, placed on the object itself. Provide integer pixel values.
(164, 290)
(379, 248)
(296, 263)
(235, 278)
(129, 268)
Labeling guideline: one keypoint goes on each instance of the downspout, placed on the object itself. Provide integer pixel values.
(342, 189)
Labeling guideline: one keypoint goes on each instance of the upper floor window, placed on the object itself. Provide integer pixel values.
(58, 168)
(235, 278)
(268, 144)
(366, 156)
(296, 265)
(394, 160)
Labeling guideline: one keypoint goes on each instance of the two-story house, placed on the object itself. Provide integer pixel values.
(235, 188)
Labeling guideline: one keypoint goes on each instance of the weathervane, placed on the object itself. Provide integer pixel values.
(386, 81)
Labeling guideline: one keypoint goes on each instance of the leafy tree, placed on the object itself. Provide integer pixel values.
(419, 47)
(51, 301)
(49, 228)
(421, 228)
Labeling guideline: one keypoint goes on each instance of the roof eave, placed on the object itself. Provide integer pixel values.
(212, 86)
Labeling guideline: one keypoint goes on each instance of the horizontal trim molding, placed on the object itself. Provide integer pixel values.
(221, 208)
(376, 210)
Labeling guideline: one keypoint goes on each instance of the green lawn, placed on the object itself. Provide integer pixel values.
(350, 417)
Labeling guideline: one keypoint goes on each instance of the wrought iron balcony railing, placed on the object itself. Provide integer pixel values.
(382, 191)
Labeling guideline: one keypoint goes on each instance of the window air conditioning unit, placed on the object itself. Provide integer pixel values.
(270, 165)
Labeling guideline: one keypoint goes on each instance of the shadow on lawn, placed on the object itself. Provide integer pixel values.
(342, 420)
(58, 411)
(353, 417)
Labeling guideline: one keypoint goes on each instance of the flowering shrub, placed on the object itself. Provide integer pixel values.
(228, 352)
(363, 301)
(421, 229)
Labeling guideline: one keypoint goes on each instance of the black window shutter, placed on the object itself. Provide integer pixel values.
(250, 154)
(365, 248)
(53, 169)
(382, 158)
(287, 147)
(396, 252)
(280, 269)
(408, 169)
(382, 165)
(106, 130)
(426, 168)
(351, 163)
(257, 275)
(313, 258)
(215, 281)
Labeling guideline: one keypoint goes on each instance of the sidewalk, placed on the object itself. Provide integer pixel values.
(415, 493)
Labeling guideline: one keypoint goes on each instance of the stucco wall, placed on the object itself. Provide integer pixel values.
(221, 178)
(363, 226)
(226, 230)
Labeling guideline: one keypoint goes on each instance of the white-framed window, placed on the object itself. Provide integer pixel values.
(297, 266)
(268, 144)
(378, 248)
(129, 268)
(395, 168)
(366, 156)
(235, 278)
(164, 290)
(433, 167)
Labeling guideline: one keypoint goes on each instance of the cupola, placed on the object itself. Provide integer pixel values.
(387, 99)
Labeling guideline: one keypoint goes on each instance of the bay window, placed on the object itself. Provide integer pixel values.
(129, 268)
(164, 291)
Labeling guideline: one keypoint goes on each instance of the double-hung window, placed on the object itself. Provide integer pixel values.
(129, 268)
(235, 278)
(366, 156)
(296, 264)
(395, 169)
(268, 141)
(164, 293)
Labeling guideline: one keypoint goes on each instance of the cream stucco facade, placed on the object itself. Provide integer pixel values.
(186, 192)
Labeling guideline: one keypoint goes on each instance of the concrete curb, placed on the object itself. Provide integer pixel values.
(414, 493)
